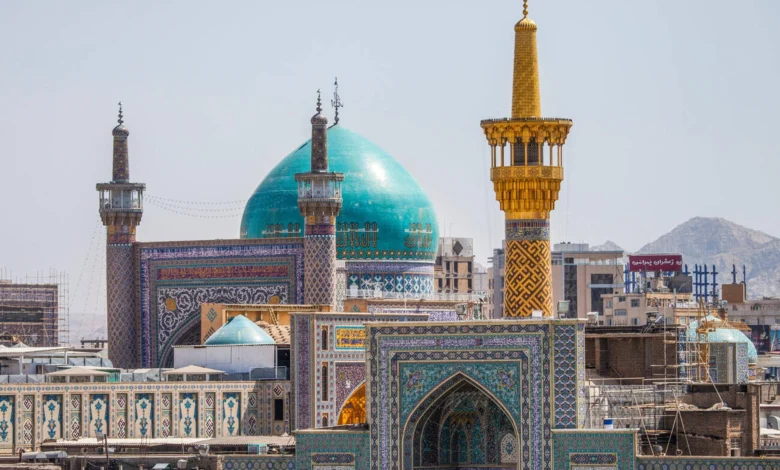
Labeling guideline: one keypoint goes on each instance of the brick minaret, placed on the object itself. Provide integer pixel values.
(527, 171)
(121, 207)
(319, 200)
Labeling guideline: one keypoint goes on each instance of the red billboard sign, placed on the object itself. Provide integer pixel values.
(655, 263)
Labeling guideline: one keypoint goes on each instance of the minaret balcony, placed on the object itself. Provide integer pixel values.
(319, 186)
(120, 197)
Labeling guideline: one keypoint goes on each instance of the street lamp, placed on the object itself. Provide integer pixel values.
(101, 436)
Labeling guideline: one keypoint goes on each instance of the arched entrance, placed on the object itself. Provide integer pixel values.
(354, 409)
(189, 336)
(462, 426)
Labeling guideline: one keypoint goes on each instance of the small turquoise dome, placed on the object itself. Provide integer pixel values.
(724, 335)
(385, 215)
(239, 330)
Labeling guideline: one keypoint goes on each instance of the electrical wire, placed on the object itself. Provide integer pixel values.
(180, 201)
(181, 211)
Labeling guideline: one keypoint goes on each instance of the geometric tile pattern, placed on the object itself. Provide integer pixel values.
(583, 402)
(6, 422)
(251, 424)
(593, 448)
(258, 462)
(308, 358)
(502, 376)
(333, 459)
(27, 430)
(566, 392)
(509, 449)
(210, 415)
(392, 277)
(120, 418)
(75, 416)
(349, 376)
(173, 279)
(319, 267)
(528, 284)
(706, 463)
(593, 458)
(410, 363)
(336, 444)
(166, 415)
(742, 363)
(301, 361)
(121, 321)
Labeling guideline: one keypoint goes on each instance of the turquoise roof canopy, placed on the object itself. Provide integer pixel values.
(239, 330)
(386, 215)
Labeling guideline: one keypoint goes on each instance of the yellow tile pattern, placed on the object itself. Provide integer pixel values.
(526, 101)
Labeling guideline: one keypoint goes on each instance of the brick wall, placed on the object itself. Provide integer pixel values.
(708, 432)
(628, 356)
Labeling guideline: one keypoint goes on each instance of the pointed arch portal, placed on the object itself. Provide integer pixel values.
(461, 425)
(354, 409)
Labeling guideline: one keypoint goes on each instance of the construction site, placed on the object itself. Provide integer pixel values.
(34, 310)
(689, 389)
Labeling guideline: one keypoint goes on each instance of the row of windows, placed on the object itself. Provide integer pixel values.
(610, 322)
(634, 302)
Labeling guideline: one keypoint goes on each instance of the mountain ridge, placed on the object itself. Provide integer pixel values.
(723, 243)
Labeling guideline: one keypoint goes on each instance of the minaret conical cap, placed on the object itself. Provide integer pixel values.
(526, 100)
(120, 130)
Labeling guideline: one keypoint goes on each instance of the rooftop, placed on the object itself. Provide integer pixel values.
(239, 330)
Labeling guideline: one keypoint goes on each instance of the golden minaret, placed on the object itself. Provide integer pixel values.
(527, 170)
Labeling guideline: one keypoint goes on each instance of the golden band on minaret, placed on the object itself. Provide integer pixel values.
(527, 171)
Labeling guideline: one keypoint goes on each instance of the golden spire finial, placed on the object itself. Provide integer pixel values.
(525, 87)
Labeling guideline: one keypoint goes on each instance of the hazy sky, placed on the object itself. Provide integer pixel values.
(674, 104)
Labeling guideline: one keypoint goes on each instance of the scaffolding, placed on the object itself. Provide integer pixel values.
(34, 310)
(653, 405)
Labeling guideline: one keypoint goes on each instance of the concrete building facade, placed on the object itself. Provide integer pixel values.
(454, 266)
(581, 277)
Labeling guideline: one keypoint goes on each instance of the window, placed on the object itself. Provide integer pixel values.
(635, 321)
(620, 312)
(609, 303)
(634, 302)
(621, 299)
(324, 383)
(324, 333)
(324, 420)
(609, 322)
(279, 409)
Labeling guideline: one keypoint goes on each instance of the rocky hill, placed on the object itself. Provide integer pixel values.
(717, 241)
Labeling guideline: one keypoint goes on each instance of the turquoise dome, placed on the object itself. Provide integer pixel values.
(239, 330)
(724, 335)
(386, 215)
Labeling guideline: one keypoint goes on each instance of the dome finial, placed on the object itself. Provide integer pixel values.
(525, 8)
(336, 101)
(120, 121)
(319, 102)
